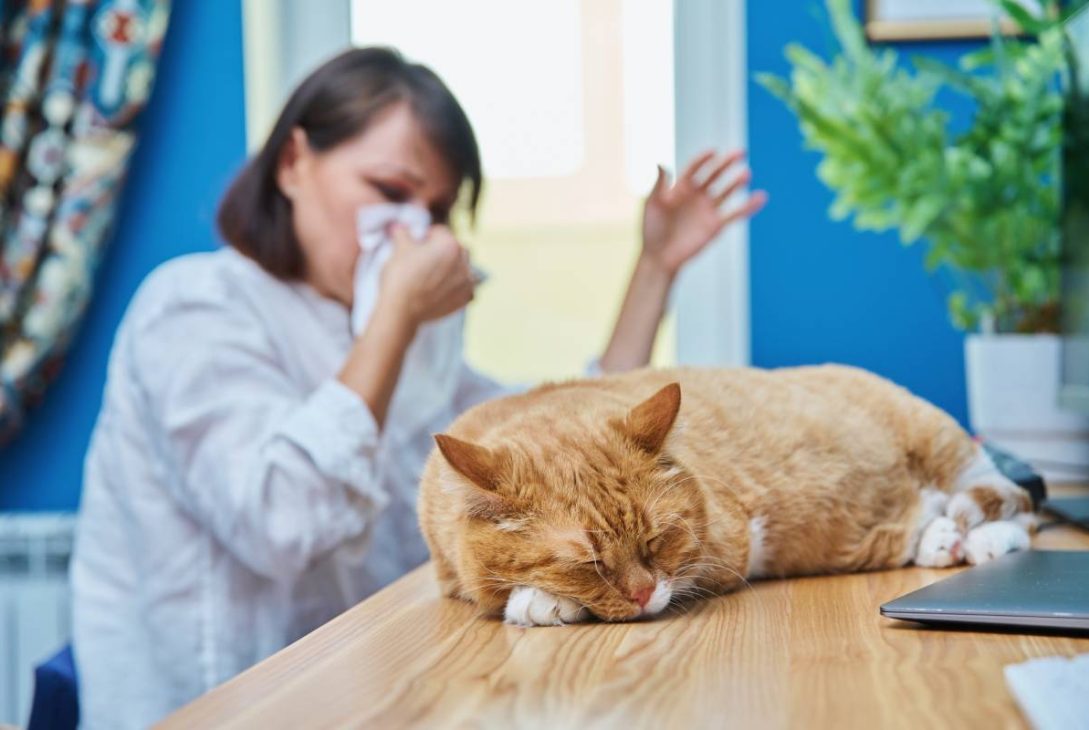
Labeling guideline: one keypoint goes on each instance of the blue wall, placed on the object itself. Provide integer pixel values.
(192, 138)
(822, 292)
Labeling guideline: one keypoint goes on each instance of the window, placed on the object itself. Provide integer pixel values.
(572, 103)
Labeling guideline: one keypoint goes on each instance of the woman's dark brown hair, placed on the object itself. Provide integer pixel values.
(335, 103)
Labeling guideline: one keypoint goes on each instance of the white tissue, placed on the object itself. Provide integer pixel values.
(431, 368)
(1053, 692)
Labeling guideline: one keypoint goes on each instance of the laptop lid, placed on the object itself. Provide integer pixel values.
(1038, 588)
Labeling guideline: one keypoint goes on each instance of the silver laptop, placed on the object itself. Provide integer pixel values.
(1037, 588)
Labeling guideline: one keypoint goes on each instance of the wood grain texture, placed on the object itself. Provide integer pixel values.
(807, 652)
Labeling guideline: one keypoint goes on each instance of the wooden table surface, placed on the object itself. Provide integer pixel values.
(806, 652)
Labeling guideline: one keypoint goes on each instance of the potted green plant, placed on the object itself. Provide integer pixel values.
(983, 199)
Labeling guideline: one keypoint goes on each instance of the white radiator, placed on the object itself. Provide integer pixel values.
(35, 616)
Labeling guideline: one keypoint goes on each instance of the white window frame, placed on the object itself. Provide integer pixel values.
(284, 39)
(710, 91)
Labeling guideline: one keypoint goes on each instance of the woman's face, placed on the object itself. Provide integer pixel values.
(391, 161)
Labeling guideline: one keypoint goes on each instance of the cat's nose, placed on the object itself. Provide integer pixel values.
(642, 595)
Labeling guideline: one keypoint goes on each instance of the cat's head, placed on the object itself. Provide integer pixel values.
(598, 513)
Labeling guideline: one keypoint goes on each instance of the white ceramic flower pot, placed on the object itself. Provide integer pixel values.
(1013, 392)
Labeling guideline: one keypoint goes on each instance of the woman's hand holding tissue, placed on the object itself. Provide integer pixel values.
(426, 279)
(680, 219)
(423, 280)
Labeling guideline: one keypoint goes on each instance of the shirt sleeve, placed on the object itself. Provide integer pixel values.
(278, 475)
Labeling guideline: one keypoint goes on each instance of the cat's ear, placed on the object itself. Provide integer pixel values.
(649, 423)
(483, 468)
(476, 463)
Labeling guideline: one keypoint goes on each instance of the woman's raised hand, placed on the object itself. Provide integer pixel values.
(680, 219)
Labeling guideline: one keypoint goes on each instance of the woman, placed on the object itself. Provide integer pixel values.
(247, 479)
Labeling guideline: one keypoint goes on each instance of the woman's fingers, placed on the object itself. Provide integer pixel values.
(695, 165)
(460, 271)
(457, 296)
(747, 209)
(400, 236)
(738, 182)
(661, 183)
(433, 275)
(727, 161)
(458, 278)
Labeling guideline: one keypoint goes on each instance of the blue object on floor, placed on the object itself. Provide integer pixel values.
(56, 693)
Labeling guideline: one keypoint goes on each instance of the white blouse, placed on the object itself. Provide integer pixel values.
(233, 487)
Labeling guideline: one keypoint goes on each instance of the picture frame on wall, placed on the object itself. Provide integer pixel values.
(918, 20)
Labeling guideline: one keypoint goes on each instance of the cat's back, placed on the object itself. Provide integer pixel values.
(753, 394)
(827, 429)
(822, 406)
(714, 401)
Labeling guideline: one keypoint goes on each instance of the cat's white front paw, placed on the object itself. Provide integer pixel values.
(994, 539)
(529, 606)
(940, 544)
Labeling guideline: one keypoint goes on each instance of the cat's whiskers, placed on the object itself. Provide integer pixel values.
(666, 488)
(492, 575)
(701, 594)
(686, 526)
(490, 571)
(687, 594)
(493, 580)
(712, 562)
(693, 589)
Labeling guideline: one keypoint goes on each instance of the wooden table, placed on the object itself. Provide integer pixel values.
(808, 652)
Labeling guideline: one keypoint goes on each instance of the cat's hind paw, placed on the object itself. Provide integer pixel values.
(994, 539)
(529, 606)
(941, 545)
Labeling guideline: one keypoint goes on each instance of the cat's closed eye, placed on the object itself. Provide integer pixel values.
(654, 544)
(596, 565)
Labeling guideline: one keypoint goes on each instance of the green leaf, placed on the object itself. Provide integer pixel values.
(934, 257)
(988, 56)
(848, 30)
(1020, 15)
(804, 59)
(961, 312)
(1072, 9)
(959, 80)
(778, 87)
(918, 219)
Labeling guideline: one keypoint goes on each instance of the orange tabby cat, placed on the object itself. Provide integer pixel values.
(577, 499)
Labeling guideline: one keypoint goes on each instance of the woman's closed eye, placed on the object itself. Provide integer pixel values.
(392, 193)
(440, 214)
